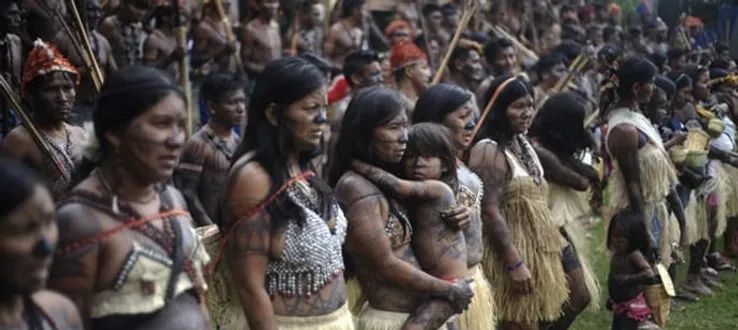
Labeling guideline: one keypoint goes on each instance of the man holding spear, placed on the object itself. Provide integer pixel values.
(49, 85)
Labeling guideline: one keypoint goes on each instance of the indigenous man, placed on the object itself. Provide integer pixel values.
(348, 35)
(49, 84)
(311, 33)
(262, 41)
(125, 32)
(11, 62)
(397, 30)
(500, 57)
(206, 158)
(465, 69)
(411, 71)
(212, 52)
(85, 100)
(434, 18)
(550, 69)
(161, 49)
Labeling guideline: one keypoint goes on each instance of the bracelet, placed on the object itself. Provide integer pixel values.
(515, 266)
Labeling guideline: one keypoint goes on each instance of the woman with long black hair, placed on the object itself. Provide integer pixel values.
(128, 255)
(282, 227)
(518, 226)
(28, 237)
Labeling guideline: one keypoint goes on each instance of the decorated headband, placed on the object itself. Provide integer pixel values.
(405, 53)
(43, 59)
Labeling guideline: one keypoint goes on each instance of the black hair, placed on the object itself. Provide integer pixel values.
(658, 60)
(319, 62)
(715, 74)
(608, 32)
(435, 140)
(633, 70)
(348, 7)
(357, 62)
(570, 49)
(430, 8)
(19, 184)
(634, 32)
(493, 48)
(666, 85)
(216, 86)
(5, 4)
(460, 53)
(33, 87)
(721, 62)
(548, 62)
(161, 12)
(674, 53)
(695, 71)
(559, 125)
(632, 223)
(497, 126)
(370, 108)
(680, 79)
(283, 82)
(449, 9)
(126, 95)
(437, 101)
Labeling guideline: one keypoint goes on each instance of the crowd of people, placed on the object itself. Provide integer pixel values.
(359, 164)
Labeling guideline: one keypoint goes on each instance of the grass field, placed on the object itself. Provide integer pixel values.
(719, 312)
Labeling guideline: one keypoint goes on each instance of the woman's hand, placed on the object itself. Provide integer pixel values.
(522, 280)
(461, 294)
(458, 217)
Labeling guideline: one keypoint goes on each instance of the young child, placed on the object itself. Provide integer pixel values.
(631, 271)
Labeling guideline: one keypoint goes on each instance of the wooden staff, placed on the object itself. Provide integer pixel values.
(72, 37)
(522, 48)
(463, 22)
(19, 110)
(426, 35)
(184, 68)
(228, 30)
(295, 34)
(96, 73)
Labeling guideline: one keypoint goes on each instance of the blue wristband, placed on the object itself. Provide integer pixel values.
(515, 266)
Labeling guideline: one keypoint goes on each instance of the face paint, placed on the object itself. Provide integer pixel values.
(321, 117)
(43, 248)
(470, 125)
(403, 138)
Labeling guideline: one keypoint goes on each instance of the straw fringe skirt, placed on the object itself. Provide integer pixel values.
(539, 244)
(481, 312)
(374, 319)
(355, 295)
(568, 207)
(730, 173)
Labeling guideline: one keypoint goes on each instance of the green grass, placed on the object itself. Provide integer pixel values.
(718, 312)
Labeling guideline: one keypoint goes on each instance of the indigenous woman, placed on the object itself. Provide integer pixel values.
(518, 225)
(28, 237)
(643, 177)
(723, 86)
(450, 105)
(128, 255)
(559, 135)
(374, 131)
(283, 229)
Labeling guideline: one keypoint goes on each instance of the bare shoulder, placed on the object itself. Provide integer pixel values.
(19, 134)
(77, 221)
(353, 187)
(250, 183)
(17, 144)
(177, 197)
(60, 308)
(622, 137)
(77, 132)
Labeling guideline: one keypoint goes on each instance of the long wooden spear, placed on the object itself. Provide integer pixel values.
(184, 68)
(471, 7)
(228, 31)
(19, 110)
(96, 73)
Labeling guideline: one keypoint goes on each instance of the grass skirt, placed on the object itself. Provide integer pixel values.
(374, 319)
(730, 174)
(355, 296)
(539, 244)
(481, 312)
